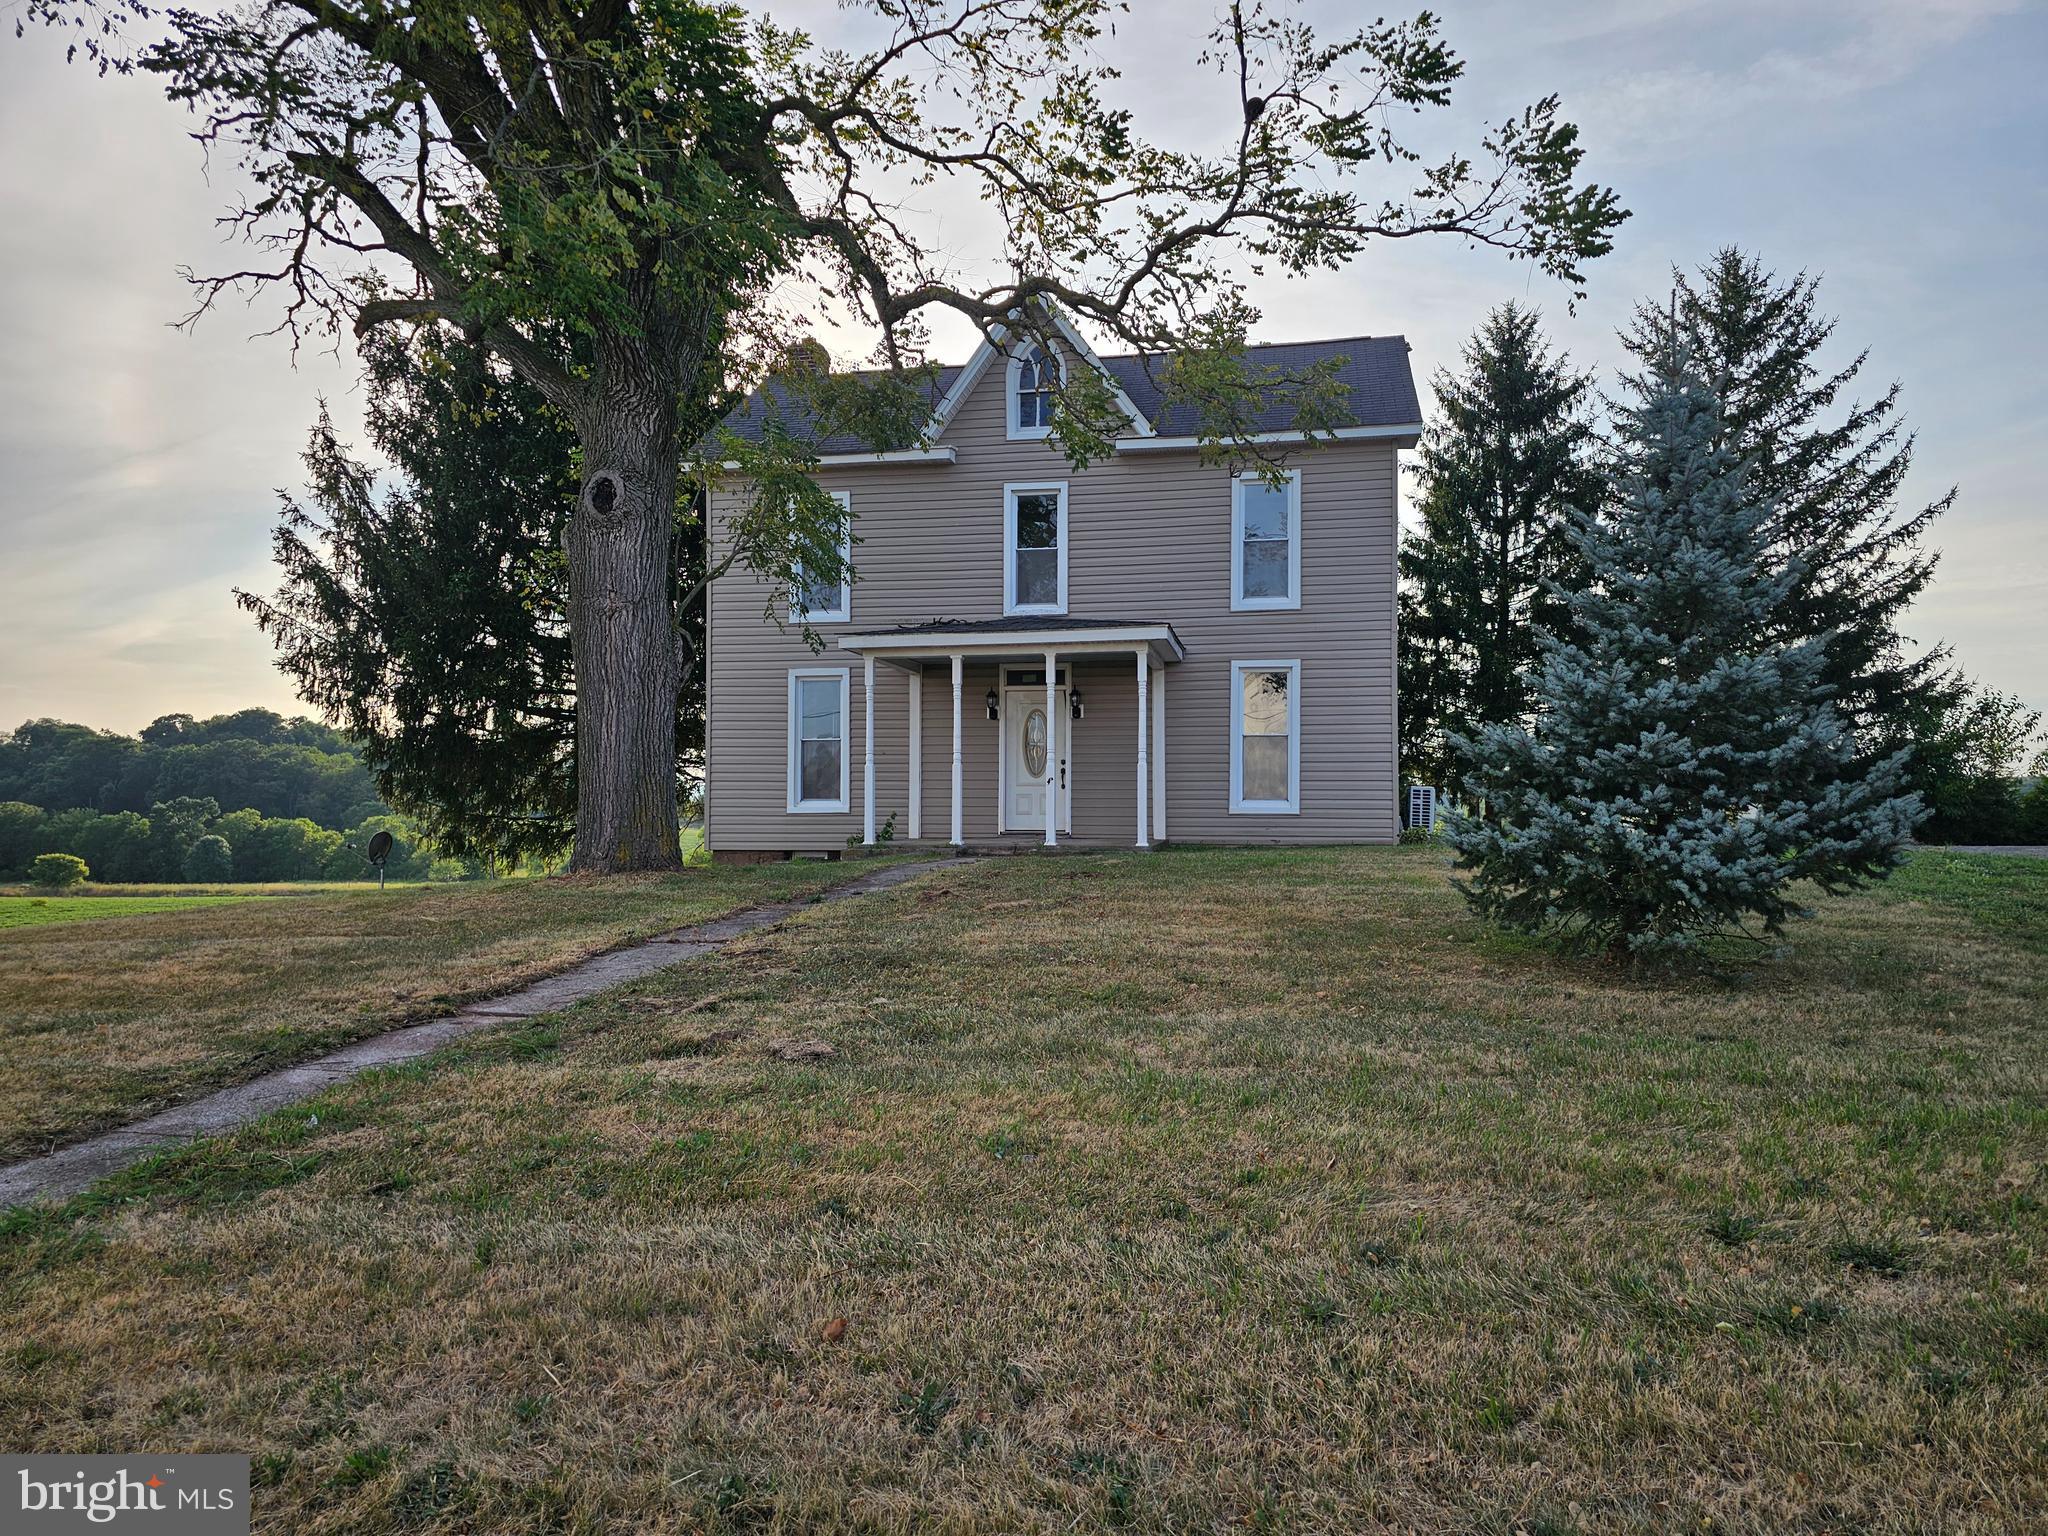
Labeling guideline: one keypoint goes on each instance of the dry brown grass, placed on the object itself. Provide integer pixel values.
(102, 1022)
(1207, 1192)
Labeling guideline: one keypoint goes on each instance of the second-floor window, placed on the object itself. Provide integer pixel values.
(826, 601)
(1030, 393)
(1265, 539)
(1035, 548)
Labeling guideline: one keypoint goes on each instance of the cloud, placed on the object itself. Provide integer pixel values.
(1761, 86)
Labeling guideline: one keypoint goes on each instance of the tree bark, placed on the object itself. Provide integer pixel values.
(622, 634)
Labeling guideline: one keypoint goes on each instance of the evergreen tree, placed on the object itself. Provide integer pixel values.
(1831, 467)
(1500, 476)
(431, 621)
(1685, 768)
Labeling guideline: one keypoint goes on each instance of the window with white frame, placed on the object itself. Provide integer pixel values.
(829, 602)
(1265, 542)
(817, 738)
(1030, 392)
(1265, 737)
(1035, 548)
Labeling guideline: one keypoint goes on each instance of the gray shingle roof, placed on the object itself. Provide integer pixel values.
(1376, 369)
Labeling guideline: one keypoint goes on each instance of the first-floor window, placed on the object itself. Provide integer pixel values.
(817, 739)
(1265, 736)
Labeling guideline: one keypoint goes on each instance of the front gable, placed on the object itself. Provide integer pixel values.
(990, 367)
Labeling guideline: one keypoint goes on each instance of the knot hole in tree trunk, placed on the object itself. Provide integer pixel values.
(604, 495)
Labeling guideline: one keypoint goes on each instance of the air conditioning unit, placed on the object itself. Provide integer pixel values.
(1422, 806)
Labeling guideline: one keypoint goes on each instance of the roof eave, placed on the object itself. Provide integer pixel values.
(1397, 431)
(1160, 638)
(941, 455)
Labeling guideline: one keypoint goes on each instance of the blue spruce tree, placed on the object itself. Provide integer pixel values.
(1685, 771)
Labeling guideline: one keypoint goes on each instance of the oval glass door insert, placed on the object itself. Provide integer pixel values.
(1034, 743)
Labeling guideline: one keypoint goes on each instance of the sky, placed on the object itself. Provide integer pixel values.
(1898, 148)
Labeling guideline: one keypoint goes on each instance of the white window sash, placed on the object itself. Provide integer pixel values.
(1291, 806)
(1012, 399)
(843, 676)
(842, 612)
(1238, 601)
(1010, 494)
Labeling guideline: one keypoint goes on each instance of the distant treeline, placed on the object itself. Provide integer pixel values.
(269, 798)
(252, 760)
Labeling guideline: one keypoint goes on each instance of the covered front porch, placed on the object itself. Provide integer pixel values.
(1077, 752)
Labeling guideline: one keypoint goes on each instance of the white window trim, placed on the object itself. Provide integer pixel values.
(1019, 433)
(1239, 603)
(1011, 492)
(844, 677)
(843, 613)
(1291, 806)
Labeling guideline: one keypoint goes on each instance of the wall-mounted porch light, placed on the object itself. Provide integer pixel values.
(995, 711)
(1074, 706)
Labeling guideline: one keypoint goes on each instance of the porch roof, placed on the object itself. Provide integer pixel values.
(1018, 634)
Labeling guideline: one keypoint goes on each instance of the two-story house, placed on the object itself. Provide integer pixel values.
(1150, 648)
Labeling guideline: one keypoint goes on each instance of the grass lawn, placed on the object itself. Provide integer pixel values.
(1212, 1191)
(95, 891)
(165, 996)
(37, 911)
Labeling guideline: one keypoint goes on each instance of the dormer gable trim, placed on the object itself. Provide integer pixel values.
(992, 348)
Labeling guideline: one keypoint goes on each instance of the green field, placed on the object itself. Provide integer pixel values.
(1209, 1191)
(33, 911)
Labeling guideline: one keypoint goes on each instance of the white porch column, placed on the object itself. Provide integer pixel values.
(1144, 765)
(917, 752)
(1159, 758)
(867, 754)
(1052, 751)
(957, 664)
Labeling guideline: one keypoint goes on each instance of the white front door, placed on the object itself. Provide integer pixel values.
(1028, 737)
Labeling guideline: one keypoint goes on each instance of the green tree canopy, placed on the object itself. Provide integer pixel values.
(56, 871)
(19, 824)
(210, 861)
(253, 759)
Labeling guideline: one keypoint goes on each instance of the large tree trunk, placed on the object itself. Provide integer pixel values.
(621, 632)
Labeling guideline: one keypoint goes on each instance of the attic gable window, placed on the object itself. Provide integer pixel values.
(1030, 393)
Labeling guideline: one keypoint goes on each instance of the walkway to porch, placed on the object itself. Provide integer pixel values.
(1034, 641)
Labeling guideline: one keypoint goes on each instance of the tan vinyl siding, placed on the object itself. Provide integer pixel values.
(1149, 539)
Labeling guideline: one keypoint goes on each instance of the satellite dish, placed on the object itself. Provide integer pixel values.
(379, 849)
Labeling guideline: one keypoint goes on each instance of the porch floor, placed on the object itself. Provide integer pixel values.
(1017, 843)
